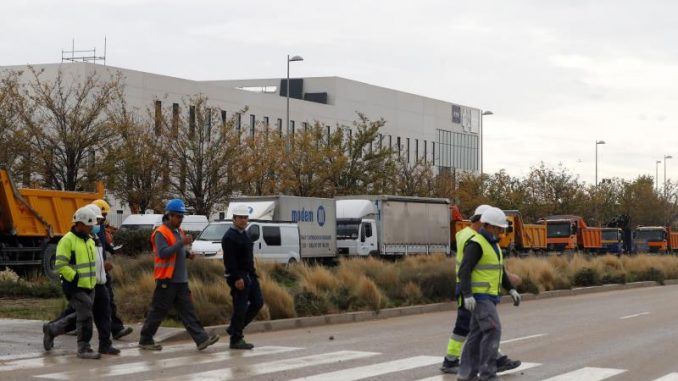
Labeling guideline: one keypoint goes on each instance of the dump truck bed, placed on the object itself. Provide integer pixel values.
(39, 212)
(534, 236)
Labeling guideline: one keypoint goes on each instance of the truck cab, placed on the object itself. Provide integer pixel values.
(561, 235)
(650, 239)
(612, 240)
(356, 237)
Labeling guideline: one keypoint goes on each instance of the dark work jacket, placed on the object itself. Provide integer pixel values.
(238, 254)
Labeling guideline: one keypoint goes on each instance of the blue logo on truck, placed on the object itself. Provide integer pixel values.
(321, 215)
(302, 215)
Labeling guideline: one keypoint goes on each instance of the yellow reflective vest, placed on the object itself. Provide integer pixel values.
(487, 274)
(462, 237)
(76, 255)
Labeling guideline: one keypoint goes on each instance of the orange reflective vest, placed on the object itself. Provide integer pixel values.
(164, 268)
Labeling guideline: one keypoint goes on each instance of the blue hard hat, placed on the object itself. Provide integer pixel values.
(175, 206)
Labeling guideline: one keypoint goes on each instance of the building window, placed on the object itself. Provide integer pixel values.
(280, 125)
(305, 125)
(238, 123)
(223, 117)
(433, 153)
(266, 124)
(390, 142)
(253, 121)
(292, 128)
(398, 145)
(416, 150)
(158, 118)
(425, 153)
(329, 135)
(381, 141)
(407, 156)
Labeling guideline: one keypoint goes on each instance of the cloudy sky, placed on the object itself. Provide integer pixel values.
(557, 74)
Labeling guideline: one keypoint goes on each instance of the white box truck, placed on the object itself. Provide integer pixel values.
(315, 216)
(392, 225)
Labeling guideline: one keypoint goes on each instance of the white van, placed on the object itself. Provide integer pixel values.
(192, 223)
(273, 241)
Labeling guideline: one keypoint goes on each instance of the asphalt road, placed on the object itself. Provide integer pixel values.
(619, 335)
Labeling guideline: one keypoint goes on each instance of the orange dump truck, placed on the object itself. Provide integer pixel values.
(33, 220)
(654, 239)
(567, 232)
(521, 237)
(457, 223)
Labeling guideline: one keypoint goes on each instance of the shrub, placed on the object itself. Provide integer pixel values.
(134, 242)
(309, 304)
(22, 288)
(8, 275)
(280, 303)
(586, 276)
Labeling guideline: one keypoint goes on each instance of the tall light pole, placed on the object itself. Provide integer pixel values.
(598, 142)
(666, 157)
(289, 59)
(488, 112)
(656, 175)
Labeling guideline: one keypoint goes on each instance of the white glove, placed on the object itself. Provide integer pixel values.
(515, 296)
(470, 303)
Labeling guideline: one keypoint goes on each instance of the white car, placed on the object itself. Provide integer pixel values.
(190, 222)
(273, 241)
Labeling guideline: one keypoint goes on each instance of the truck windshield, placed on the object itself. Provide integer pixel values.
(649, 235)
(214, 232)
(347, 230)
(558, 229)
(133, 227)
(610, 235)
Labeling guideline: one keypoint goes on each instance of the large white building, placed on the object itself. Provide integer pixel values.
(445, 134)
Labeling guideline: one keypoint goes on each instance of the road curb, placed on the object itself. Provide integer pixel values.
(353, 317)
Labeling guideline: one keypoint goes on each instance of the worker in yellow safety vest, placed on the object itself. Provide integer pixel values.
(481, 278)
(463, 320)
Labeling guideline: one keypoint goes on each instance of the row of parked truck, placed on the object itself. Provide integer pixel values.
(288, 228)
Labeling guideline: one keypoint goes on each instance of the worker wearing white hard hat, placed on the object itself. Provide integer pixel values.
(463, 317)
(482, 276)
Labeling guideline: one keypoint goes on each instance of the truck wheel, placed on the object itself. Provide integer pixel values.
(48, 257)
(291, 261)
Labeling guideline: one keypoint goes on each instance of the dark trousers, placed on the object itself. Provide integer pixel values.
(246, 304)
(116, 322)
(480, 351)
(166, 296)
(81, 302)
(462, 325)
(101, 313)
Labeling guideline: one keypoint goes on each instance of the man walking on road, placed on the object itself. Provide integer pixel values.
(171, 281)
(482, 275)
(75, 263)
(118, 329)
(241, 278)
(463, 321)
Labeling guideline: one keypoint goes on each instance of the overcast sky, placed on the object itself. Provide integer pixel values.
(557, 74)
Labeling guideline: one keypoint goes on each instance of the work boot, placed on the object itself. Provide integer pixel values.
(241, 344)
(88, 354)
(209, 341)
(47, 338)
(504, 363)
(122, 333)
(152, 346)
(109, 351)
(450, 365)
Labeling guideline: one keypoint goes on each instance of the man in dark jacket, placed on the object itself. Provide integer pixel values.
(241, 277)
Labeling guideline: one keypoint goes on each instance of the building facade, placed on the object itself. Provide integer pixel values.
(444, 134)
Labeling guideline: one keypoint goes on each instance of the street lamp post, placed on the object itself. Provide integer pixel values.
(598, 142)
(289, 59)
(656, 175)
(666, 157)
(488, 112)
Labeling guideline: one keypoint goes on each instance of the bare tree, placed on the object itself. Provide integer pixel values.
(202, 154)
(69, 126)
(12, 138)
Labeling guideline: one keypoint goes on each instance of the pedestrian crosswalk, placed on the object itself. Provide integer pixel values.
(183, 362)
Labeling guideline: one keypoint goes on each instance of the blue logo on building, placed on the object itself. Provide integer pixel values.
(321, 215)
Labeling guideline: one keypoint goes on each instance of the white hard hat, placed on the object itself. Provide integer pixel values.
(495, 217)
(241, 210)
(481, 209)
(95, 209)
(86, 216)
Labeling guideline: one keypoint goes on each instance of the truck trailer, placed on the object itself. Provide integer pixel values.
(33, 220)
(392, 225)
(315, 216)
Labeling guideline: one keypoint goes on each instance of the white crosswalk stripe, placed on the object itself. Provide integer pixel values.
(65, 358)
(668, 377)
(588, 374)
(273, 366)
(145, 366)
(374, 370)
(523, 367)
